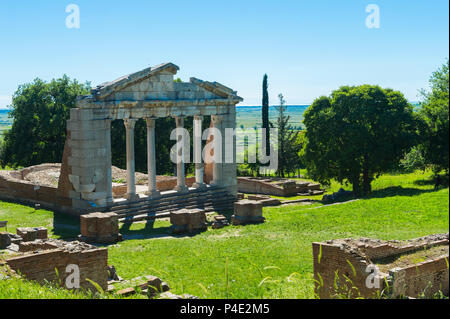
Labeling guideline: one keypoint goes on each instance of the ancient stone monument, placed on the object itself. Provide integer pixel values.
(148, 94)
(85, 174)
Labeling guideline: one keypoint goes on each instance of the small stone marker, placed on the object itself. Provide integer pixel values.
(188, 221)
(247, 212)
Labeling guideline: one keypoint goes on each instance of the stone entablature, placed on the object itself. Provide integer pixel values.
(148, 94)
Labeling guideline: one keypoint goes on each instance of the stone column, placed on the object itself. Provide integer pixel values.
(151, 158)
(216, 121)
(181, 179)
(131, 183)
(109, 195)
(199, 167)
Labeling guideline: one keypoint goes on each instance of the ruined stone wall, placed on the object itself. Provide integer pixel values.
(40, 267)
(254, 186)
(14, 188)
(350, 262)
(427, 278)
(335, 264)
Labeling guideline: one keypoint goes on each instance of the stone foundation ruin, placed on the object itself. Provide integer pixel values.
(277, 187)
(372, 268)
(47, 261)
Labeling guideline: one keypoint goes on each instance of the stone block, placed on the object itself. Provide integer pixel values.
(100, 228)
(31, 234)
(247, 212)
(188, 220)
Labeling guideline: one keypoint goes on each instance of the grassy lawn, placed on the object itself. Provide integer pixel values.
(270, 260)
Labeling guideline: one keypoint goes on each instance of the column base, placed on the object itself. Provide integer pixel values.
(181, 189)
(215, 184)
(132, 197)
(153, 194)
(199, 186)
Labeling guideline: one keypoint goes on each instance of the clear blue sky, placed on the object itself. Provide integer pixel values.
(307, 48)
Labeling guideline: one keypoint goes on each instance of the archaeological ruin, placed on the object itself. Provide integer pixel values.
(372, 268)
(85, 181)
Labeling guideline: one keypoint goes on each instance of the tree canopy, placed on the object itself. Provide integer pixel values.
(356, 134)
(39, 112)
(434, 116)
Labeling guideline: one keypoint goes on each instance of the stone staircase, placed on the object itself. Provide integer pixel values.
(210, 200)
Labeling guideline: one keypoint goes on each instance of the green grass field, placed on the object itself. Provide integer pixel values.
(270, 260)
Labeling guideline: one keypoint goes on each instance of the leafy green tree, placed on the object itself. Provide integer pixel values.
(356, 134)
(434, 128)
(288, 146)
(39, 112)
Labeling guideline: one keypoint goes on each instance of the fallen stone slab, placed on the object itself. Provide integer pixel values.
(271, 202)
(126, 292)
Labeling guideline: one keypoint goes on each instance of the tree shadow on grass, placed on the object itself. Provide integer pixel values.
(148, 232)
(397, 191)
(444, 181)
(66, 226)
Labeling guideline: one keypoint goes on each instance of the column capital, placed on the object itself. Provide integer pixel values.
(216, 119)
(198, 117)
(179, 120)
(150, 121)
(129, 123)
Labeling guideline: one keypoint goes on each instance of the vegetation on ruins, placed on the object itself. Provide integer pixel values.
(356, 134)
(434, 116)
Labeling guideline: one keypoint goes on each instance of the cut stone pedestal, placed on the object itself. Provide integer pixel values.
(188, 221)
(247, 212)
(32, 233)
(100, 228)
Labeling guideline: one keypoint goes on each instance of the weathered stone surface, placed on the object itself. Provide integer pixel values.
(188, 221)
(220, 221)
(41, 266)
(247, 211)
(338, 261)
(32, 233)
(37, 245)
(126, 292)
(100, 227)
